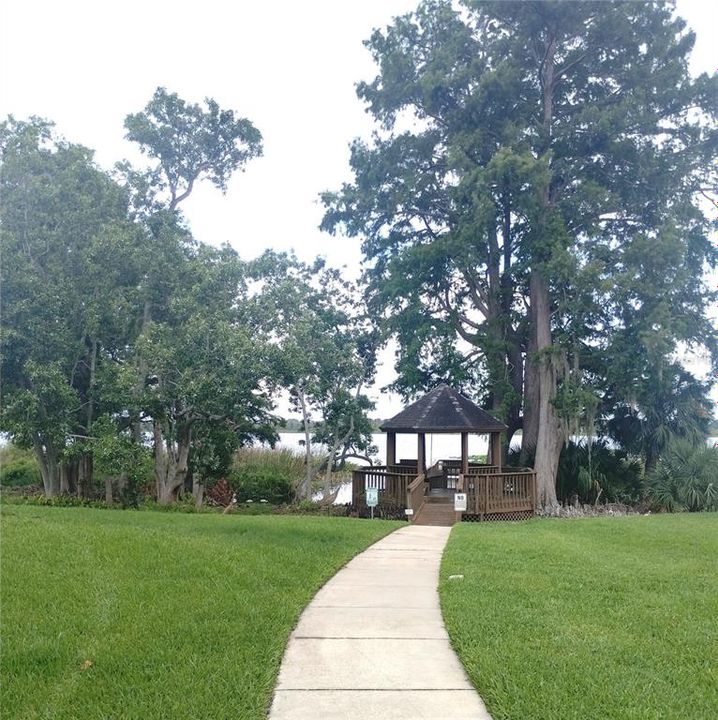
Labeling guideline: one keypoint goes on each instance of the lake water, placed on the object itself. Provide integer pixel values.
(438, 447)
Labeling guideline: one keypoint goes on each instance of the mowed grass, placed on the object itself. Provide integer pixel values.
(590, 619)
(109, 615)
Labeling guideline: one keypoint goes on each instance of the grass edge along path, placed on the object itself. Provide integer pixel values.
(606, 618)
(157, 615)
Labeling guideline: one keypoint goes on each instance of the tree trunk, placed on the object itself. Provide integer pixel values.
(529, 439)
(184, 441)
(550, 433)
(136, 412)
(332, 455)
(122, 483)
(170, 461)
(161, 458)
(197, 491)
(495, 327)
(49, 466)
(109, 496)
(64, 479)
(304, 490)
(516, 379)
(328, 472)
(83, 473)
(68, 469)
(82, 477)
(91, 390)
(652, 457)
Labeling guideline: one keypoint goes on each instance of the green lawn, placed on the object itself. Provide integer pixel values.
(590, 619)
(181, 616)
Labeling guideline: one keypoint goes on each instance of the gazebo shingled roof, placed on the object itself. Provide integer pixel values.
(443, 410)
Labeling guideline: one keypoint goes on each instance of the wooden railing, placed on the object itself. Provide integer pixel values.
(391, 482)
(511, 490)
(451, 469)
(408, 463)
(483, 469)
(416, 495)
(488, 489)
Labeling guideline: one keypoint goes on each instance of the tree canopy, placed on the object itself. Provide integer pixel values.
(529, 206)
(122, 334)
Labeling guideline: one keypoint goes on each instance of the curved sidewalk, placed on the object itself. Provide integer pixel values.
(372, 643)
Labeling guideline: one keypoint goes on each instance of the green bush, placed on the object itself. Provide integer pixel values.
(115, 454)
(685, 478)
(264, 474)
(18, 467)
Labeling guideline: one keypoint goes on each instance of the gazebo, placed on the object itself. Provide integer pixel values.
(426, 494)
(443, 410)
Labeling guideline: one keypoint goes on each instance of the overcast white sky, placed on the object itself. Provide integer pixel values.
(290, 67)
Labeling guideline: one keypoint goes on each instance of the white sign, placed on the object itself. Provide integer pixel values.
(372, 497)
(460, 502)
(408, 511)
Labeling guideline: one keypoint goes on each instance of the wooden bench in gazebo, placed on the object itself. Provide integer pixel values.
(493, 492)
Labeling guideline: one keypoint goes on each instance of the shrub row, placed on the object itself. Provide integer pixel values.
(685, 478)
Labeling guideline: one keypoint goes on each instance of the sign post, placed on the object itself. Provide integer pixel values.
(372, 499)
(459, 502)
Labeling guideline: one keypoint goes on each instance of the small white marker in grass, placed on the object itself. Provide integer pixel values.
(456, 577)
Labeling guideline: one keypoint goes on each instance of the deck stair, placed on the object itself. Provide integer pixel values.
(437, 510)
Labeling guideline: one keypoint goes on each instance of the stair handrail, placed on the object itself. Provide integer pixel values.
(416, 495)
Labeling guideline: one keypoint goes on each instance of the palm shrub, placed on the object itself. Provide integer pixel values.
(685, 478)
(595, 472)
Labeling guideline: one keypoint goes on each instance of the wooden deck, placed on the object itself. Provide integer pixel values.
(493, 493)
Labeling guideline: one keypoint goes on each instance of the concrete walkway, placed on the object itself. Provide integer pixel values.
(372, 643)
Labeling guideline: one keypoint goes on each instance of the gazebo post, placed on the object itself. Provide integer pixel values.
(391, 448)
(495, 458)
(421, 453)
(464, 453)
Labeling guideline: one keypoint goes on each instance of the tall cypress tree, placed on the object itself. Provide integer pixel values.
(527, 155)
